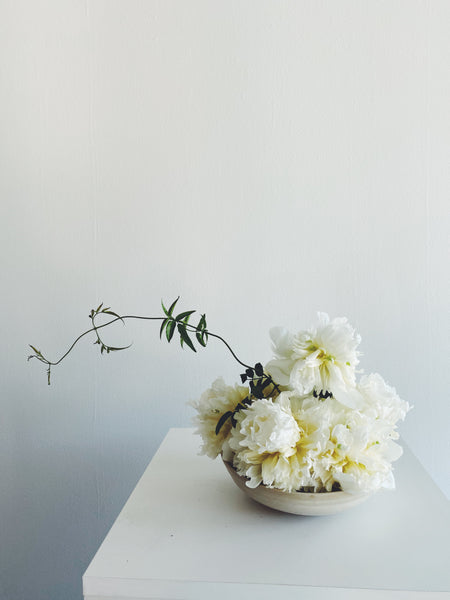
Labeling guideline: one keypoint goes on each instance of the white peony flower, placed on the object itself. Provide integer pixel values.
(360, 454)
(363, 449)
(321, 358)
(264, 442)
(329, 444)
(316, 419)
(381, 400)
(287, 465)
(213, 403)
(267, 426)
(354, 448)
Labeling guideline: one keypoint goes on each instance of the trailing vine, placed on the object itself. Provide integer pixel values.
(257, 380)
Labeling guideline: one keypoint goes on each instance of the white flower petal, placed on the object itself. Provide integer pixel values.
(280, 370)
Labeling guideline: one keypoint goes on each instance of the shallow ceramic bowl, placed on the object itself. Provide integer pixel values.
(298, 503)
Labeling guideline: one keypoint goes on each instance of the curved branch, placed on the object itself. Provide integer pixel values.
(95, 328)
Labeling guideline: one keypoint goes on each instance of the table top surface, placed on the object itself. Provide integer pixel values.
(187, 522)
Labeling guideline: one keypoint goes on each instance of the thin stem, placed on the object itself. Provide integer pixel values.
(193, 328)
(95, 328)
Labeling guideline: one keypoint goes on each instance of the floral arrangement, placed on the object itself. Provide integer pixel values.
(300, 423)
(317, 429)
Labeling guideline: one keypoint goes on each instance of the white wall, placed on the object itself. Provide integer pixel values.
(265, 160)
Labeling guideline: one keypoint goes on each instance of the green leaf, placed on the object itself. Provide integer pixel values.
(259, 369)
(35, 349)
(99, 307)
(112, 313)
(170, 329)
(222, 420)
(164, 323)
(201, 333)
(185, 337)
(116, 348)
(200, 338)
(172, 306)
(265, 383)
(202, 323)
(164, 308)
(184, 315)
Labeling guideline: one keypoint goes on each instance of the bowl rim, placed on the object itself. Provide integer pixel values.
(325, 495)
(297, 502)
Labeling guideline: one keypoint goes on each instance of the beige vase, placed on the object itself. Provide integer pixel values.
(298, 503)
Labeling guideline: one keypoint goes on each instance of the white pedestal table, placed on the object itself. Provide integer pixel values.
(188, 533)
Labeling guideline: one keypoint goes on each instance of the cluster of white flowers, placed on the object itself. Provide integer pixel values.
(321, 430)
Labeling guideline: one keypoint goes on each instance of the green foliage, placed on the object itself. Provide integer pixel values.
(169, 324)
(258, 382)
(105, 311)
(201, 333)
(223, 419)
(181, 323)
